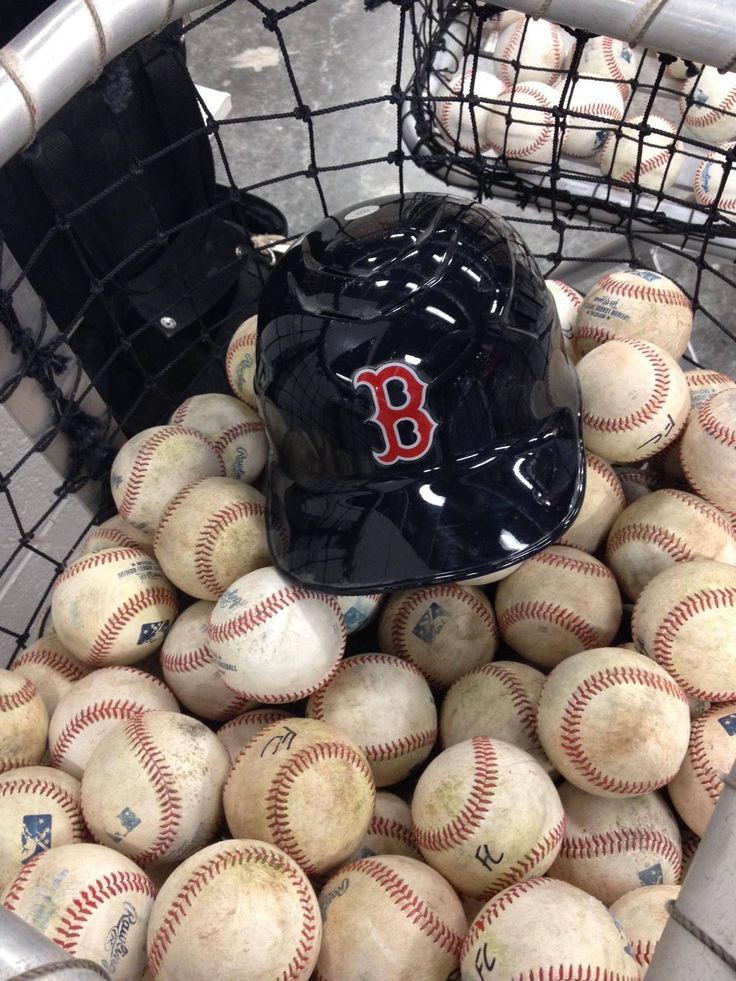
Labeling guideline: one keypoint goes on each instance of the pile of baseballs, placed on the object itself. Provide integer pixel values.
(203, 764)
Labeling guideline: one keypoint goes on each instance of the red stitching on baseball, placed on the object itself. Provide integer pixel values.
(526, 710)
(651, 407)
(16, 699)
(619, 840)
(609, 475)
(550, 612)
(647, 165)
(475, 808)
(698, 379)
(714, 115)
(204, 874)
(698, 756)
(711, 424)
(171, 508)
(50, 659)
(701, 507)
(115, 535)
(181, 662)
(403, 746)
(236, 432)
(661, 538)
(640, 291)
(547, 126)
(586, 567)
(526, 865)
(385, 828)
(15, 762)
(45, 788)
(15, 889)
(204, 548)
(259, 613)
(100, 558)
(113, 884)
(111, 710)
(571, 740)
(255, 716)
(277, 798)
(245, 340)
(573, 296)
(318, 698)
(120, 618)
(498, 905)
(614, 68)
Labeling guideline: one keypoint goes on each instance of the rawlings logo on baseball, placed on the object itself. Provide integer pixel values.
(115, 942)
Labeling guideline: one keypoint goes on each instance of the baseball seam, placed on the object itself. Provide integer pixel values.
(49, 659)
(585, 567)
(17, 699)
(259, 613)
(713, 426)
(609, 475)
(713, 115)
(120, 618)
(120, 539)
(572, 295)
(640, 291)
(245, 340)
(115, 710)
(205, 545)
(648, 411)
(701, 764)
(661, 538)
(527, 865)
(620, 840)
(549, 612)
(383, 827)
(525, 709)
(74, 919)
(646, 166)
(105, 557)
(171, 507)
(237, 432)
(181, 662)
(45, 788)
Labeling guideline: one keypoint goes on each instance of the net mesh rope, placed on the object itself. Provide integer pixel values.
(580, 216)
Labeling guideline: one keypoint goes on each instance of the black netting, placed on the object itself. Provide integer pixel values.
(130, 256)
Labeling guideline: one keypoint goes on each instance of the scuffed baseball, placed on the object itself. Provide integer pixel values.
(593, 107)
(359, 611)
(51, 668)
(486, 815)
(662, 528)
(603, 501)
(464, 105)
(521, 127)
(390, 830)
(567, 303)
(708, 450)
(116, 532)
(24, 722)
(443, 630)
(613, 845)
(710, 187)
(389, 917)
(643, 151)
(707, 105)
(305, 787)
(154, 465)
(607, 57)
(273, 640)
(385, 706)
(238, 732)
(212, 533)
(538, 45)
(559, 602)
(613, 722)
(637, 481)
(643, 915)
(240, 362)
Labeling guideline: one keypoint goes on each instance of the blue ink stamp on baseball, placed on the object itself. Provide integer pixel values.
(150, 631)
(729, 723)
(651, 876)
(35, 836)
(129, 820)
(430, 624)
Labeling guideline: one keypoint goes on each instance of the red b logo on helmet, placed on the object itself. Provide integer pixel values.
(388, 415)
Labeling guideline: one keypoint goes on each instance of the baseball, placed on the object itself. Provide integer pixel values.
(497, 700)
(94, 706)
(273, 640)
(643, 151)
(486, 816)
(708, 450)
(613, 723)
(695, 790)
(116, 532)
(154, 465)
(707, 105)
(635, 303)
(238, 732)
(211, 533)
(51, 668)
(490, 577)
(521, 127)
(390, 830)
(603, 501)
(567, 303)
(715, 181)
(462, 112)
(39, 809)
(613, 845)
(443, 630)
(637, 482)
(662, 528)
(305, 787)
(240, 362)
(643, 915)
(359, 611)
(113, 607)
(538, 45)
(635, 400)
(24, 722)
(385, 706)
(607, 57)
(685, 618)
(389, 917)
(239, 908)
(546, 929)
(152, 788)
(592, 106)
(91, 901)
(559, 602)
(681, 69)
(190, 668)
(235, 430)
(690, 842)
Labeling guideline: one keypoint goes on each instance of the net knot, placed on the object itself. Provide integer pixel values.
(303, 112)
(271, 20)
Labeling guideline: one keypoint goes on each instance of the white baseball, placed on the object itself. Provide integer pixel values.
(521, 128)
(240, 362)
(152, 788)
(91, 901)
(662, 528)
(538, 45)
(51, 668)
(486, 815)
(643, 915)
(612, 845)
(113, 607)
(116, 532)
(409, 906)
(94, 705)
(291, 786)
(490, 577)
(637, 482)
(235, 430)
(607, 57)
(708, 104)
(635, 303)
(559, 602)
(695, 789)
(154, 465)
(681, 69)
(643, 151)
(190, 668)
(238, 732)
(630, 422)
(546, 929)
(709, 185)
(613, 723)
(273, 640)
(603, 501)
(497, 700)
(39, 809)
(592, 107)
(24, 722)
(390, 830)
(359, 611)
(243, 902)
(567, 303)
(708, 450)
(212, 533)
(464, 104)
(386, 707)
(443, 630)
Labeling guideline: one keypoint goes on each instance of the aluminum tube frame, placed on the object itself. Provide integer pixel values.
(23, 948)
